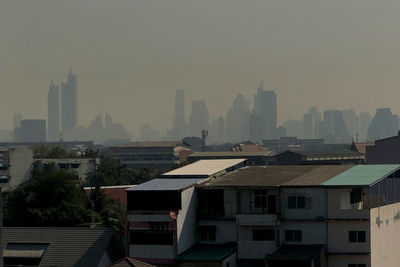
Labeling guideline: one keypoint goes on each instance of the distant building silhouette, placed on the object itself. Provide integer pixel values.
(383, 125)
(69, 104)
(17, 127)
(351, 121)
(179, 123)
(33, 131)
(263, 120)
(199, 118)
(53, 113)
(333, 128)
(237, 120)
(364, 121)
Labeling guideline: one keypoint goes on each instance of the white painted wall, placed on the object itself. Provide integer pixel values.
(186, 222)
(225, 230)
(339, 203)
(230, 203)
(249, 249)
(385, 235)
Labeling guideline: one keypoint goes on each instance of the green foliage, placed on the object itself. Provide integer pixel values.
(53, 152)
(110, 173)
(55, 198)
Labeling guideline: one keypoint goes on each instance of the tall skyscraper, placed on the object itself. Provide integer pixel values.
(53, 113)
(199, 118)
(179, 124)
(237, 120)
(69, 104)
(384, 124)
(33, 130)
(263, 120)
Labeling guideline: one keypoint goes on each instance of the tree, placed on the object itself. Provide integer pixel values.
(109, 172)
(53, 198)
(53, 152)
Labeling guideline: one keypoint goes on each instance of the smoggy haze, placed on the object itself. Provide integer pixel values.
(131, 56)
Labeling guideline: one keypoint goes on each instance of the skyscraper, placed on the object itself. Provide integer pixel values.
(263, 120)
(69, 104)
(199, 119)
(179, 124)
(384, 124)
(53, 113)
(237, 120)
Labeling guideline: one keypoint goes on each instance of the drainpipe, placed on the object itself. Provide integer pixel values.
(326, 225)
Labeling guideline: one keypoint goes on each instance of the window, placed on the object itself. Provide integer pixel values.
(151, 238)
(263, 235)
(357, 236)
(296, 202)
(207, 233)
(260, 199)
(293, 235)
(357, 265)
(24, 254)
(355, 195)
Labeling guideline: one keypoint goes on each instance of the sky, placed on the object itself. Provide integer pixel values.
(131, 55)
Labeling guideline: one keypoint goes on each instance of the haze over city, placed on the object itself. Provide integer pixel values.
(131, 57)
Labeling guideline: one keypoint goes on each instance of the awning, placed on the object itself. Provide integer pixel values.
(295, 253)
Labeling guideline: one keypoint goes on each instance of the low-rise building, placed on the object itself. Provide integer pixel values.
(16, 164)
(384, 151)
(163, 154)
(254, 158)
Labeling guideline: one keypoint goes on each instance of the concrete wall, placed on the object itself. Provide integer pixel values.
(315, 203)
(21, 160)
(338, 236)
(345, 260)
(249, 249)
(225, 231)
(313, 232)
(339, 205)
(230, 202)
(186, 222)
(385, 241)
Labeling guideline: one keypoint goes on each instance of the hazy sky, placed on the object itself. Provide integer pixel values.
(130, 56)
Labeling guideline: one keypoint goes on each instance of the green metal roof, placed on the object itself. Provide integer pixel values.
(362, 175)
(207, 253)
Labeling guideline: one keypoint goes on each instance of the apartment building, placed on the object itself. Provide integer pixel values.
(161, 221)
(334, 215)
(15, 165)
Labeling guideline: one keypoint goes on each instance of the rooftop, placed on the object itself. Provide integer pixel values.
(295, 252)
(230, 154)
(362, 175)
(153, 144)
(165, 185)
(205, 168)
(73, 246)
(207, 253)
(332, 153)
(272, 176)
(129, 262)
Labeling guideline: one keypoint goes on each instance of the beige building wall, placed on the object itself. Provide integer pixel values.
(315, 203)
(340, 207)
(385, 236)
(338, 237)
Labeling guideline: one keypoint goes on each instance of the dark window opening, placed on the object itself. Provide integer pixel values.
(357, 236)
(293, 235)
(210, 203)
(207, 233)
(355, 195)
(297, 202)
(15, 261)
(357, 265)
(264, 235)
(154, 200)
(151, 238)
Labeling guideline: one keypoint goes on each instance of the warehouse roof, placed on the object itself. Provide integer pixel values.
(205, 168)
(362, 175)
(165, 185)
(231, 154)
(207, 253)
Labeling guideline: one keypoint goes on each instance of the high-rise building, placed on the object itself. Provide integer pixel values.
(237, 120)
(69, 104)
(179, 124)
(383, 125)
(53, 113)
(364, 121)
(17, 127)
(263, 120)
(33, 131)
(199, 118)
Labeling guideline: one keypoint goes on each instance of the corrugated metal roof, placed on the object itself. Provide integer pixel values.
(206, 167)
(165, 184)
(153, 144)
(130, 262)
(72, 246)
(362, 175)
